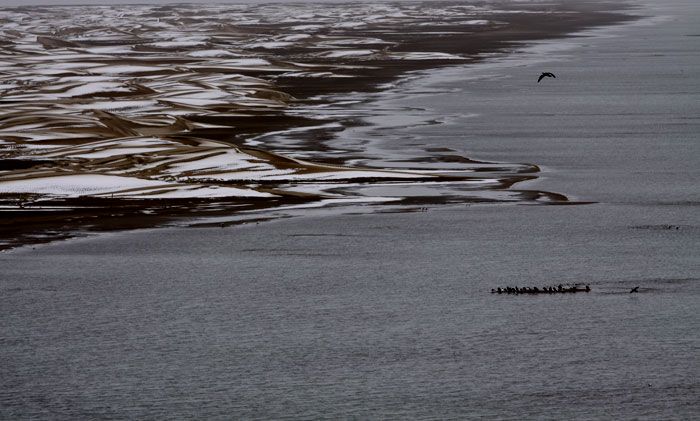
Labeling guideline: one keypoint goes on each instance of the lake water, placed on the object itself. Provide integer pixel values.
(346, 313)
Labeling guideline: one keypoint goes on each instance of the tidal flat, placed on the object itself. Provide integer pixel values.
(354, 307)
(118, 117)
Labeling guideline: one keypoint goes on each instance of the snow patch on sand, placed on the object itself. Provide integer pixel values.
(75, 185)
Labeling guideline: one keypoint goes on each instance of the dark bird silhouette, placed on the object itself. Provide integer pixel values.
(545, 74)
(635, 289)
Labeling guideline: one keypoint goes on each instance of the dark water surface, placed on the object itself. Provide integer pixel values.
(362, 315)
(341, 317)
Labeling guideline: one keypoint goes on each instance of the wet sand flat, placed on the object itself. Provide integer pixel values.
(127, 116)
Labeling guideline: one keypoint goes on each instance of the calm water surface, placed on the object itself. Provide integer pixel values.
(388, 316)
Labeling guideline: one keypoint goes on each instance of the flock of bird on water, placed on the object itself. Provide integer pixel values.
(559, 289)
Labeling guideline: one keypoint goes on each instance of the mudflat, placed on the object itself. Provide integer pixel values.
(130, 116)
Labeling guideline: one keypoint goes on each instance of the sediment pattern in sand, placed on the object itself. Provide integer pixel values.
(156, 100)
(129, 106)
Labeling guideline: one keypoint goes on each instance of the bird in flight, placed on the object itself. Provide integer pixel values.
(635, 289)
(545, 74)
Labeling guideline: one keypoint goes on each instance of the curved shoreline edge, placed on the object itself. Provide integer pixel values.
(154, 135)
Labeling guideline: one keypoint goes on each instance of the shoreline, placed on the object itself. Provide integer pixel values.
(22, 227)
(536, 52)
(354, 311)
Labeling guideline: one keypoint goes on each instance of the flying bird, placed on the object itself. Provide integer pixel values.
(635, 289)
(545, 74)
